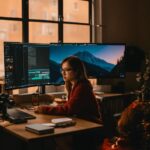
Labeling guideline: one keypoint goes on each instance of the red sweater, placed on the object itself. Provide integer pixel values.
(81, 102)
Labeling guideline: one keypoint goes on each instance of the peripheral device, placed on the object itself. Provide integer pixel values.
(17, 116)
(63, 122)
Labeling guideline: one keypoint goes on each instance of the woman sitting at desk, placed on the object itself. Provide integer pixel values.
(81, 100)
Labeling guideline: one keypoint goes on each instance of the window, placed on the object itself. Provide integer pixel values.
(43, 32)
(76, 21)
(10, 25)
(44, 21)
(11, 8)
(43, 9)
(73, 32)
(43, 26)
(76, 11)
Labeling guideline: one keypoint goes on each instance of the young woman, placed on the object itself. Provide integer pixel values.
(81, 100)
(81, 103)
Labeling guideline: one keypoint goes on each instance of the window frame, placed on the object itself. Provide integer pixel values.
(25, 20)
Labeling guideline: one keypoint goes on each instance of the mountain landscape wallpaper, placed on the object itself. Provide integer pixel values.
(100, 60)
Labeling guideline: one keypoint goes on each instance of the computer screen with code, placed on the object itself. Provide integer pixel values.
(26, 64)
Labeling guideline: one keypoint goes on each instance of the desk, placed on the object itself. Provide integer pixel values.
(31, 141)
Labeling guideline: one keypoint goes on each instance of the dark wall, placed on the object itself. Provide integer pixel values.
(120, 21)
(126, 21)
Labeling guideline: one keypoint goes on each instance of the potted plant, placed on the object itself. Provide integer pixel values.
(143, 78)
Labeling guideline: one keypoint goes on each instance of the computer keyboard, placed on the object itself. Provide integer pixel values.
(18, 114)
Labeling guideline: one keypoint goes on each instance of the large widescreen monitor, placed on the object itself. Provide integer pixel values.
(34, 64)
(26, 64)
(101, 60)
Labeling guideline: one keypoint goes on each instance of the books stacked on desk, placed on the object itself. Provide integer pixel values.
(45, 128)
(63, 122)
(39, 128)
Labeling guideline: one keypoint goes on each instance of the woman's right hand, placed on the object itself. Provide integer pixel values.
(38, 109)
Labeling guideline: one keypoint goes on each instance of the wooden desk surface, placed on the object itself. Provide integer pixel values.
(18, 130)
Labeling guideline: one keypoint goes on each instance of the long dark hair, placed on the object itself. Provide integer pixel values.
(77, 66)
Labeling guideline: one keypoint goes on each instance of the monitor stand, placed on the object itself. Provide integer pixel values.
(41, 89)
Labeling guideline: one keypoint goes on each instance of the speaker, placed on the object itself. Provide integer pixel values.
(134, 56)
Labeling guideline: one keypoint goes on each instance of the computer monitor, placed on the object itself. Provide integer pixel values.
(34, 64)
(26, 65)
(101, 60)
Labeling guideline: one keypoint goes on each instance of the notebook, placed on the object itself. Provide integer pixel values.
(39, 128)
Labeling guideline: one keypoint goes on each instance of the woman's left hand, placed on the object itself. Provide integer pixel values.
(38, 109)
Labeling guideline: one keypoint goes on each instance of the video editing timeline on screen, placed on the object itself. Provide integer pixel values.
(26, 65)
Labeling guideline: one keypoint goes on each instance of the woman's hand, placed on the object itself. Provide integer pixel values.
(38, 109)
